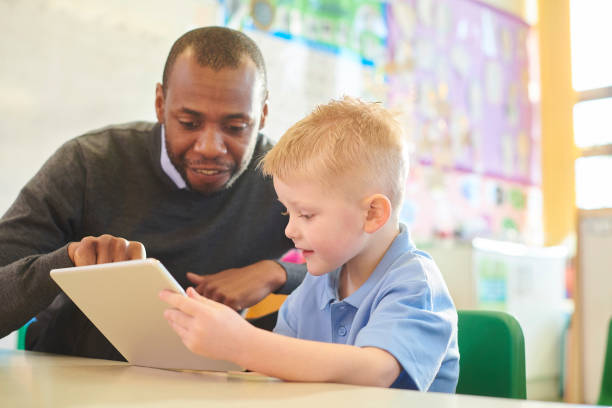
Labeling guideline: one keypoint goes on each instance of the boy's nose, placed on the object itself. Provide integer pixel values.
(290, 230)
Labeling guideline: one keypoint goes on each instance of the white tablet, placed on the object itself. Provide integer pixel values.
(121, 300)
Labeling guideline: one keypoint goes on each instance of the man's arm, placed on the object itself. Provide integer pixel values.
(240, 288)
(214, 330)
(34, 237)
(34, 234)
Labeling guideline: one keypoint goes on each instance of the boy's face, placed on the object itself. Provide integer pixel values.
(326, 226)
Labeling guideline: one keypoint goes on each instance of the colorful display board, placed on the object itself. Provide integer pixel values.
(458, 70)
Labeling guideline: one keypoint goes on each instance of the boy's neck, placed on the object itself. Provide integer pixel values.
(357, 271)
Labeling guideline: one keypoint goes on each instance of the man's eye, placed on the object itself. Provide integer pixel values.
(306, 216)
(236, 128)
(188, 124)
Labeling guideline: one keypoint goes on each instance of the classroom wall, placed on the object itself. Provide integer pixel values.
(69, 67)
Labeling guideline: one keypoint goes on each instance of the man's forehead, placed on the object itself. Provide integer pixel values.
(187, 65)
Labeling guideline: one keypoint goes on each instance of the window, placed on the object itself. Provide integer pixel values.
(592, 79)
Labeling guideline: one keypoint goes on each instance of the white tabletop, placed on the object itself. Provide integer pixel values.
(37, 379)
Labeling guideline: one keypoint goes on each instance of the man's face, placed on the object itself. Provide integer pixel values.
(211, 120)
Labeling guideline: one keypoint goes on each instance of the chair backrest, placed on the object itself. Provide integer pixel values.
(492, 354)
(21, 335)
(605, 393)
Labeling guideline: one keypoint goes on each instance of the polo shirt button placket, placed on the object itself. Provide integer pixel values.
(342, 331)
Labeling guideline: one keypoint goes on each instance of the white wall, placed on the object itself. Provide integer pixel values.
(71, 66)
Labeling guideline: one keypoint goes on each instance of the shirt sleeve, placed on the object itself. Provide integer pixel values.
(414, 325)
(33, 237)
(295, 276)
(287, 323)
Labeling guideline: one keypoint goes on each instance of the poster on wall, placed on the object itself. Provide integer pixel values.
(458, 70)
(314, 51)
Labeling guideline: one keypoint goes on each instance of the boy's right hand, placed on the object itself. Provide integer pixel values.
(104, 249)
(206, 327)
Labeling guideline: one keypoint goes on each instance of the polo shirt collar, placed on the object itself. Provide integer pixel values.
(400, 245)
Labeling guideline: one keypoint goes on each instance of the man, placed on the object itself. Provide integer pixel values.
(186, 188)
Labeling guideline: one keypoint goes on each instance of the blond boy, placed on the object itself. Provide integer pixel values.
(373, 310)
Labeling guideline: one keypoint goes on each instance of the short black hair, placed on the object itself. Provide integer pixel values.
(216, 48)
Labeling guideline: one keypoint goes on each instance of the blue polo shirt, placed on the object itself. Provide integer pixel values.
(404, 308)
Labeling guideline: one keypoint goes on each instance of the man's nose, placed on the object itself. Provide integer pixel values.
(210, 143)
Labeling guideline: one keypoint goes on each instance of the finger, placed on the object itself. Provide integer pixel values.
(170, 297)
(178, 318)
(193, 294)
(182, 303)
(119, 249)
(104, 248)
(217, 297)
(195, 278)
(85, 253)
(136, 250)
(180, 330)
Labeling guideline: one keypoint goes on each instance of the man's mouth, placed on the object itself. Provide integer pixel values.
(208, 172)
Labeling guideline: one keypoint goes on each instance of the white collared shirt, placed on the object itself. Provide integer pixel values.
(167, 165)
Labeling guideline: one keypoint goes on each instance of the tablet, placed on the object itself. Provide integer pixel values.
(121, 300)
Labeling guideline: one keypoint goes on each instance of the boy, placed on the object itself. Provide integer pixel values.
(373, 310)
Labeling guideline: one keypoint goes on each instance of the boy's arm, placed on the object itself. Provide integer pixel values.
(304, 360)
(214, 330)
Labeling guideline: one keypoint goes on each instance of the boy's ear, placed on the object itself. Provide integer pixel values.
(378, 211)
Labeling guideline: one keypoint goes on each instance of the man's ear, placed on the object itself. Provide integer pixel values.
(264, 112)
(378, 211)
(159, 102)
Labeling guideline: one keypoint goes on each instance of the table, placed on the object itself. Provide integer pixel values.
(30, 378)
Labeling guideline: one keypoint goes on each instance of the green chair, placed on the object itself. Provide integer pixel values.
(492, 350)
(21, 335)
(605, 393)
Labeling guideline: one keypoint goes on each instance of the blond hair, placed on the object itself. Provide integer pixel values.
(348, 141)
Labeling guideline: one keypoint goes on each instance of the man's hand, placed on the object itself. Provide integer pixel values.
(104, 249)
(240, 288)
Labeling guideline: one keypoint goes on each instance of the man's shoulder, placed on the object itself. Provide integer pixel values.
(121, 137)
(131, 129)
(264, 144)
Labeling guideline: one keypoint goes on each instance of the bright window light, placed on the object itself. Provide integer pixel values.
(591, 31)
(591, 192)
(593, 122)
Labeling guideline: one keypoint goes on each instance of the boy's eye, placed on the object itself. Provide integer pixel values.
(306, 216)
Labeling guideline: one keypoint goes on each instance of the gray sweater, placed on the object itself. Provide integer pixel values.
(111, 182)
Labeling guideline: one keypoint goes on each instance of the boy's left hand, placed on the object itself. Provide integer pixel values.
(206, 327)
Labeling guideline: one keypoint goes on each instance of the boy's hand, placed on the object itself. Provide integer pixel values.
(206, 327)
(240, 288)
(103, 249)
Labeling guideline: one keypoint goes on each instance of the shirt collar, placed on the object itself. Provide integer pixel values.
(400, 245)
(167, 165)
